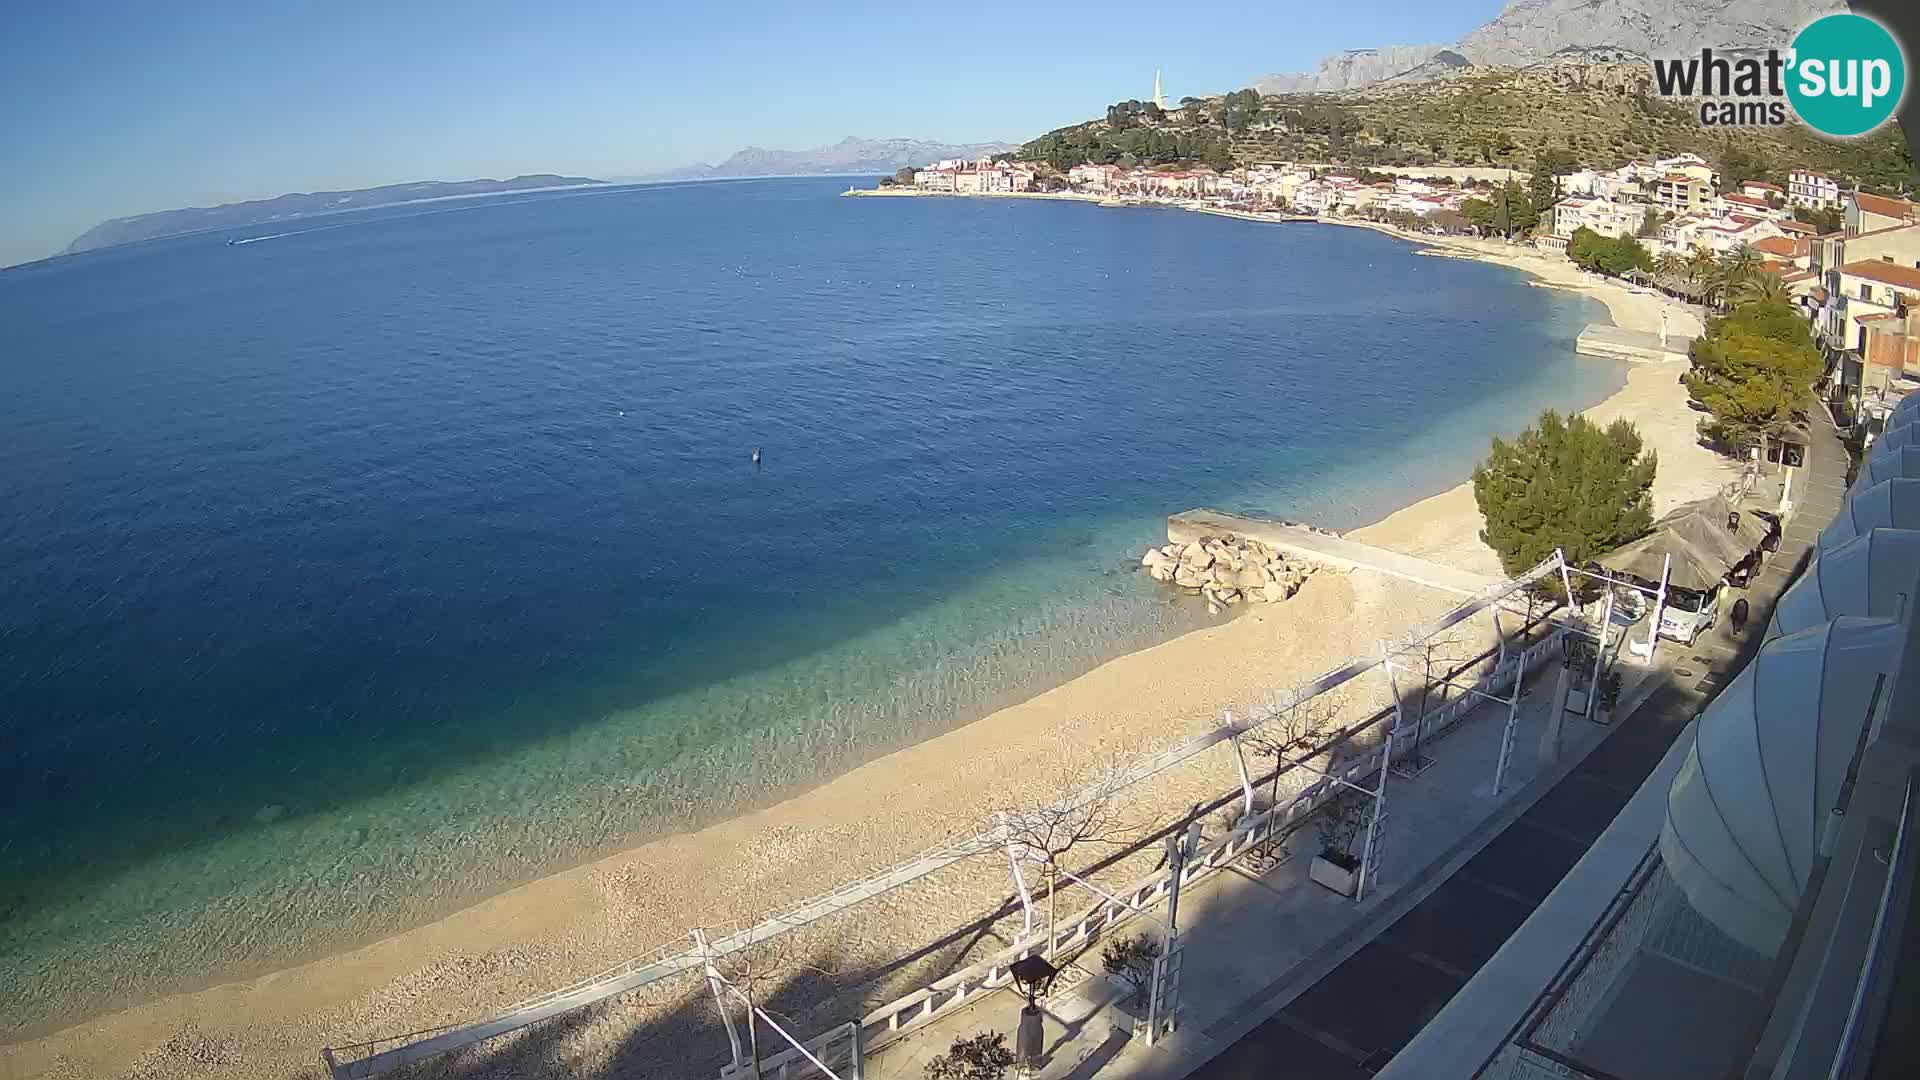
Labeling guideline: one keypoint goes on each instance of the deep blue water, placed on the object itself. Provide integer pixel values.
(355, 573)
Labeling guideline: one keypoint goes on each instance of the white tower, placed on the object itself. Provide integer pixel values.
(1159, 99)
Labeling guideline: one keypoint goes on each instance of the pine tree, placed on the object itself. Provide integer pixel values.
(1566, 484)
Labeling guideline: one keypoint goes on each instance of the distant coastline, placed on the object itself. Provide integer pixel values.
(189, 221)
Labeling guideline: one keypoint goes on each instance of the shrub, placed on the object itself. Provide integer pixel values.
(1132, 959)
(980, 1057)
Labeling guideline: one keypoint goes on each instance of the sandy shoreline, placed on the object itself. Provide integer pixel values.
(550, 931)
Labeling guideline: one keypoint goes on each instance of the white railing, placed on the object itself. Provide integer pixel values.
(376, 1056)
(923, 1006)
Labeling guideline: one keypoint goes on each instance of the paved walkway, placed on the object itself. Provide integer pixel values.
(1282, 977)
(1324, 548)
(1254, 939)
(1353, 1021)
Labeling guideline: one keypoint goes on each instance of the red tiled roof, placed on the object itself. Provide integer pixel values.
(1746, 200)
(1885, 207)
(1797, 227)
(1780, 245)
(1818, 292)
(1763, 186)
(1905, 277)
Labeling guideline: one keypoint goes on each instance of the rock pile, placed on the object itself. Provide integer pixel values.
(1227, 570)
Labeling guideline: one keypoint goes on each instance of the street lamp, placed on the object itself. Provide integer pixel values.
(1034, 976)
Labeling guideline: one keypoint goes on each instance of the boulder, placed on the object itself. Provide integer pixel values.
(1275, 592)
(1249, 578)
(1161, 572)
(1229, 596)
(1188, 578)
(1196, 555)
(1155, 557)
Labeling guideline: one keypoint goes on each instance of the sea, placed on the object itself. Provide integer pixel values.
(373, 563)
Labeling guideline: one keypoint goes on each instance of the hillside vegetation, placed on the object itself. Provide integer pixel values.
(1603, 115)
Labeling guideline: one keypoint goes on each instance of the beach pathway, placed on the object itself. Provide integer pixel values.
(1325, 549)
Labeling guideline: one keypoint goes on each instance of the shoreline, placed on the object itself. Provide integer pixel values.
(548, 931)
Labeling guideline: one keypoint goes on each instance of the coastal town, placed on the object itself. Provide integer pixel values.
(1848, 259)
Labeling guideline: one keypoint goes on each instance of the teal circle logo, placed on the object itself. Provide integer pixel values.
(1847, 75)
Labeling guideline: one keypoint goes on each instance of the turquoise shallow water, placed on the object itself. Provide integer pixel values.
(360, 572)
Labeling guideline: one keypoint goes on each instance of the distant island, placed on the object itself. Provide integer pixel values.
(161, 223)
(849, 155)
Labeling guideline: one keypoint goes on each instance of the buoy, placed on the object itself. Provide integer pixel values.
(756, 455)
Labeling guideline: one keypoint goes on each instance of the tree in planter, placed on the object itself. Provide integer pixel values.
(1565, 484)
(1340, 823)
(1132, 959)
(985, 1056)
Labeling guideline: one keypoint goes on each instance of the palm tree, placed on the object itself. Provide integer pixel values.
(1762, 288)
(1699, 265)
(1670, 266)
(1741, 263)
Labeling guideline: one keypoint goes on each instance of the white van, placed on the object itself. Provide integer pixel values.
(1689, 614)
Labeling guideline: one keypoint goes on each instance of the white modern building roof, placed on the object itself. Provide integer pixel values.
(1750, 807)
(1893, 504)
(1875, 573)
(1900, 464)
(1907, 434)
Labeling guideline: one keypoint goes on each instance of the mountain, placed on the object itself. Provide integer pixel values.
(161, 223)
(849, 155)
(1530, 31)
(1348, 70)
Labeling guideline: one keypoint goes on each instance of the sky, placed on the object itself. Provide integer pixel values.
(109, 109)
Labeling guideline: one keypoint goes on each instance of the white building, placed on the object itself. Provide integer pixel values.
(1808, 188)
(1093, 177)
(1604, 216)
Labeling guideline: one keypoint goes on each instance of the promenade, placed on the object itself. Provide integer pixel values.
(1283, 977)
(1255, 939)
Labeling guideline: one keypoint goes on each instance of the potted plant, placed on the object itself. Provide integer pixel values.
(1340, 823)
(1131, 961)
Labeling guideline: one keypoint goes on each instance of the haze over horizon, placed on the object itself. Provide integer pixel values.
(128, 109)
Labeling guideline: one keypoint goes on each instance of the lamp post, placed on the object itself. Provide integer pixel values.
(1034, 976)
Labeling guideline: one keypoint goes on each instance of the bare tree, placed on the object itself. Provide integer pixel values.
(1046, 833)
(751, 976)
(1445, 651)
(1296, 735)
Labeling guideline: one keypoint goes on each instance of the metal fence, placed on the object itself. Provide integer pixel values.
(380, 1055)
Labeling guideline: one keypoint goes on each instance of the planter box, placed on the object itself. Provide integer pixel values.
(1334, 876)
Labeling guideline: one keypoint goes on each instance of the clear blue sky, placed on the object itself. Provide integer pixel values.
(108, 109)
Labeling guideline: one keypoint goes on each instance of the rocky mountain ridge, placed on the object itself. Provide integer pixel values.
(1529, 32)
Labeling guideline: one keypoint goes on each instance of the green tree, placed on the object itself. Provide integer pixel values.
(1565, 484)
(1480, 214)
(1613, 255)
(1548, 166)
(904, 175)
(1762, 288)
(1752, 371)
